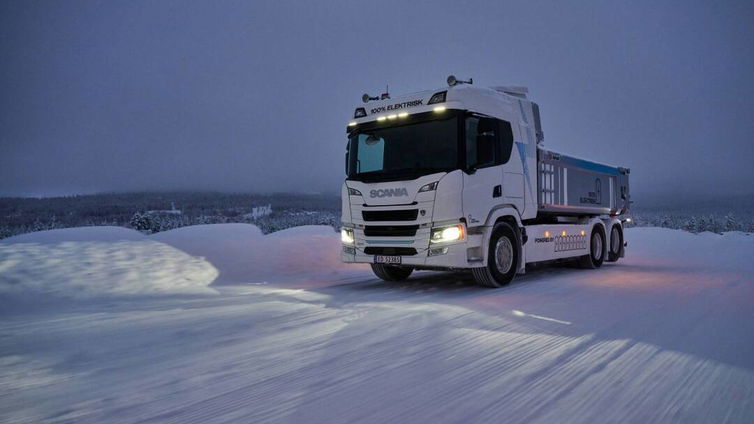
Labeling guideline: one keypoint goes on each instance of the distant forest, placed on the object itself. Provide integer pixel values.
(155, 212)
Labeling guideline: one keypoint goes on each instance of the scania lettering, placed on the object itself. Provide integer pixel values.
(390, 192)
(458, 179)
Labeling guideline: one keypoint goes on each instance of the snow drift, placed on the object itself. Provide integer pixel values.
(107, 261)
(98, 261)
(243, 254)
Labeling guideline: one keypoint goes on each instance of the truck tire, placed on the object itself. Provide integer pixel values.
(502, 258)
(392, 272)
(616, 243)
(596, 255)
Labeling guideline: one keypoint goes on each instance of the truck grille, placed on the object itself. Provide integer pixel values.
(402, 251)
(395, 215)
(390, 230)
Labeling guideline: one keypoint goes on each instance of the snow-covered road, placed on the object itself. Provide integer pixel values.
(106, 325)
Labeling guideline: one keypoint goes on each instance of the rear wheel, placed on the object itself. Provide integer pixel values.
(502, 258)
(392, 272)
(616, 243)
(596, 255)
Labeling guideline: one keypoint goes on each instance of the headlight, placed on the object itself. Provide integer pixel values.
(346, 235)
(353, 192)
(447, 234)
(428, 187)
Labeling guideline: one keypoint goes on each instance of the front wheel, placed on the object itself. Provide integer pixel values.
(596, 255)
(502, 258)
(392, 272)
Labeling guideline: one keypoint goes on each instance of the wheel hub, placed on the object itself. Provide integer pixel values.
(597, 246)
(504, 255)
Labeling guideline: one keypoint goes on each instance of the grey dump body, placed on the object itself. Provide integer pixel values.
(573, 186)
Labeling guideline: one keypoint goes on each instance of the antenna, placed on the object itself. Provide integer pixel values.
(386, 94)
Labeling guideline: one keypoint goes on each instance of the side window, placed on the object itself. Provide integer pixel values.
(482, 145)
(486, 143)
(489, 142)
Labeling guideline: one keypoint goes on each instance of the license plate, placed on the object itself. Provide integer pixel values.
(384, 259)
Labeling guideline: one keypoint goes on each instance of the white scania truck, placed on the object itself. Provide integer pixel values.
(457, 178)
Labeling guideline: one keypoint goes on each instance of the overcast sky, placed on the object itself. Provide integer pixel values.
(254, 96)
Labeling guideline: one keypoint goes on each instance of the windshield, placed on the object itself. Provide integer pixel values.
(406, 151)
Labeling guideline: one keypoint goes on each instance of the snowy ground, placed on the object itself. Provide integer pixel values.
(222, 324)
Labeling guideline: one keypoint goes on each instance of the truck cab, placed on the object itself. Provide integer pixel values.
(430, 175)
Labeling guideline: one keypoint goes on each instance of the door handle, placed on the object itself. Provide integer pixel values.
(497, 191)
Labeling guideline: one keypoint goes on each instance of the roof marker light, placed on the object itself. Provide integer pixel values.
(381, 118)
(403, 114)
(352, 124)
(439, 109)
(393, 116)
(437, 98)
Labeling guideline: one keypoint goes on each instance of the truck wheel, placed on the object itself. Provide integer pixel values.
(616, 244)
(502, 258)
(596, 249)
(392, 272)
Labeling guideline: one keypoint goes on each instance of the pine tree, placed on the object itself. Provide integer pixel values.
(691, 225)
(730, 222)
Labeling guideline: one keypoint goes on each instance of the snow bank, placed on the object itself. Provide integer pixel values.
(98, 261)
(106, 261)
(243, 255)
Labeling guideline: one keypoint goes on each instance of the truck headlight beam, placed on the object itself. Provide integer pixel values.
(346, 235)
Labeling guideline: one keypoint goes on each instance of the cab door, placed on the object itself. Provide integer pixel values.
(483, 177)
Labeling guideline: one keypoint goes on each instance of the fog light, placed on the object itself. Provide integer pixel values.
(438, 251)
(474, 254)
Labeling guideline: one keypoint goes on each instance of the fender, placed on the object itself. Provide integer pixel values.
(486, 230)
(503, 210)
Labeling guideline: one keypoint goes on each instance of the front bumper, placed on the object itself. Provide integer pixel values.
(461, 254)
